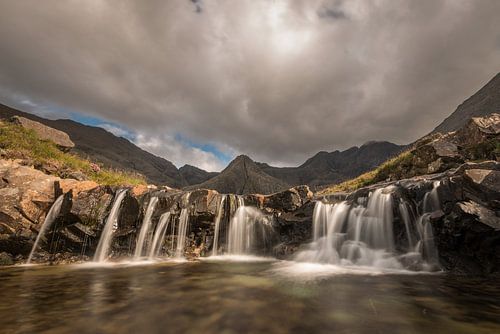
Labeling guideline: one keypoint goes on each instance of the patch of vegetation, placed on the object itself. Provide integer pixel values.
(18, 142)
(396, 168)
(487, 150)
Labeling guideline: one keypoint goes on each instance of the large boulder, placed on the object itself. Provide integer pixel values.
(60, 138)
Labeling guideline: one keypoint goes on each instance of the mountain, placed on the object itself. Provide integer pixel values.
(334, 167)
(243, 176)
(482, 103)
(116, 152)
(194, 175)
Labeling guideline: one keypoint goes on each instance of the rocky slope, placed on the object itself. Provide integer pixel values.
(243, 176)
(100, 145)
(194, 175)
(482, 103)
(334, 167)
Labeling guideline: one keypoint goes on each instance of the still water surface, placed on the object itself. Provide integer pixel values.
(241, 297)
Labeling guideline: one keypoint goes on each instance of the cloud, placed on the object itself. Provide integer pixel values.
(164, 145)
(277, 80)
(116, 130)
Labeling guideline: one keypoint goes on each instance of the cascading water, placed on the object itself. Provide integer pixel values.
(426, 245)
(111, 224)
(159, 235)
(357, 235)
(182, 229)
(49, 219)
(146, 225)
(220, 212)
(248, 229)
(431, 199)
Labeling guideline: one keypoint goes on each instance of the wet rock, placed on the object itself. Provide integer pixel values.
(90, 207)
(288, 200)
(60, 138)
(6, 259)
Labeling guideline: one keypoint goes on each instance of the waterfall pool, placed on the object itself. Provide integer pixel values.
(242, 297)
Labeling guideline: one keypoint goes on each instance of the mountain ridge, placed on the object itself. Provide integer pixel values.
(113, 151)
(482, 103)
(243, 176)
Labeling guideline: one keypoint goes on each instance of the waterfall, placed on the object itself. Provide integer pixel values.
(362, 235)
(426, 246)
(159, 235)
(111, 224)
(146, 224)
(218, 217)
(431, 199)
(182, 229)
(49, 219)
(405, 216)
(247, 229)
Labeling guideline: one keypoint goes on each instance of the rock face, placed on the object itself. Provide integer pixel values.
(482, 103)
(334, 167)
(26, 194)
(243, 176)
(61, 139)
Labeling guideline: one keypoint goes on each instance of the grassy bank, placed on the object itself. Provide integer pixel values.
(18, 142)
(397, 167)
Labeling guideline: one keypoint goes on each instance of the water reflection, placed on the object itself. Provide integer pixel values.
(240, 297)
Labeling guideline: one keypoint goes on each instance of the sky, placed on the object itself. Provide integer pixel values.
(200, 81)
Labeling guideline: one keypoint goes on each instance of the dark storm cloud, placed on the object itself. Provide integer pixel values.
(272, 79)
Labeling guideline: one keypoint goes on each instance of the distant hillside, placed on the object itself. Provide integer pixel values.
(243, 176)
(100, 145)
(334, 167)
(194, 175)
(482, 103)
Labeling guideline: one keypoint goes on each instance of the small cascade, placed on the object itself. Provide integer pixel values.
(431, 199)
(404, 211)
(49, 219)
(110, 226)
(159, 235)
(146, 225)
(182, 229)
(361, 234)
(249, 230)
(218, 217)
(426, 246)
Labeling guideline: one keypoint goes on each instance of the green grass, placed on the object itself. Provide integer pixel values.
(395, 168)
(18, 142)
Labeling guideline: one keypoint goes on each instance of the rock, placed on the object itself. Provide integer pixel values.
(478, 129)
(90, 207)
(95, 167)
(488, 180)
(6, 259)
(61, 139)
(486, 216)
(76, 175)
(445, 148)
(77, 186)
(288, 200)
